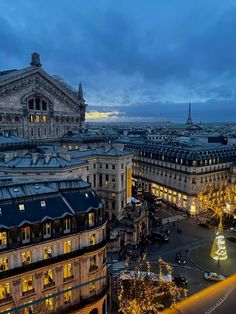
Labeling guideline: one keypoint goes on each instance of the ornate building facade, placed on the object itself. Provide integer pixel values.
(52, 248)
(178, 174)
(36, 105)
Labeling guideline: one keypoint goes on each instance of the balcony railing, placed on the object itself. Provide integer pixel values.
(53, 260)
(49, 285)
(68, 278)
(24, 293)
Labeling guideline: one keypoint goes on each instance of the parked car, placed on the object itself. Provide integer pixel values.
(213, 276)
(160, 235)
(231, 238)
(205, 224)
(180, 259)
(180, 280)
(233, 229)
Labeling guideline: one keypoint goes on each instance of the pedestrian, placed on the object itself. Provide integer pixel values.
(173, 224)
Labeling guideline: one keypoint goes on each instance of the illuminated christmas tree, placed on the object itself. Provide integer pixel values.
(218, 251)
(215, 200)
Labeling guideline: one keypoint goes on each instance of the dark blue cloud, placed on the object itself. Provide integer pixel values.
(144, 59)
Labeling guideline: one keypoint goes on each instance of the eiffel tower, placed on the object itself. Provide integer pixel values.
(189, 120)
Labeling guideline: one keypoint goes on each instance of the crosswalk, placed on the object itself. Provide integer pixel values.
(172, 219)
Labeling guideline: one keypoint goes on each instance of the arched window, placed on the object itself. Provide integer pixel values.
(37, 103)
(94, 311)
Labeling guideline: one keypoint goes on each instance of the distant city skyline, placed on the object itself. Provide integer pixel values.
(137, 61)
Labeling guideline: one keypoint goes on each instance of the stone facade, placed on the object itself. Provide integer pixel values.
(35, 105)
(44, 258)
(179, 173)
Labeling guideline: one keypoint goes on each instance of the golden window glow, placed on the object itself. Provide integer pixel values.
(3, 263)
(3, 239)
(48, 277)
(31, 118)
(37, 119)
(91, 219)
(5, 291)
(49, 304)
(47, 252)
(67, 297)
(44, 119)
(26, 257)
(21, 207)
(67, 246)
(92, 287)
(27, 284)
(92, 239)
(67, 271)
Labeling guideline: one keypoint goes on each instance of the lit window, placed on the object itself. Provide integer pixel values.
(27, 284)
(26, 257)
(67, 271)
(92, 288)
(3, 263)
(47, 252)
(91, 219)
(92, 263)
(3, 239)
(5, 291)
(48, 278)
(67, 246)
(31, 118)
(21, 207)
(25, 234)
(67, 296)
(44, 119)
(43, 203)
(46, 229)
(49, 304)
(92, 239)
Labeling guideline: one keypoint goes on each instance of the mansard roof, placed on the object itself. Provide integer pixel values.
(61, 198)
(189, 151)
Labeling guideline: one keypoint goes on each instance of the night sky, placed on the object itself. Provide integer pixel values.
(137, 60)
